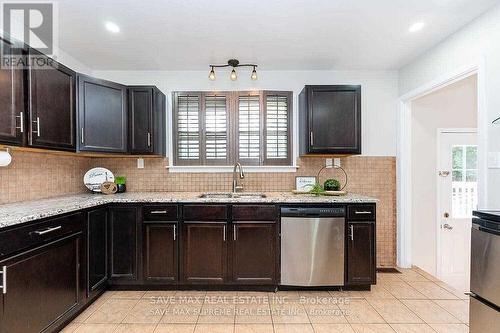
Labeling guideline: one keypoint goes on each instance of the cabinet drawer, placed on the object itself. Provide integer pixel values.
(205, 213)
(255, 213)
(25, 237)
(159, 212)
(361, 212)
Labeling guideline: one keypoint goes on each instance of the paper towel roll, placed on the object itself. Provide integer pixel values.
(5, 158)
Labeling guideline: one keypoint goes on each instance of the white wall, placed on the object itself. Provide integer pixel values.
(379, 93)
(454, 106)
(478, 42)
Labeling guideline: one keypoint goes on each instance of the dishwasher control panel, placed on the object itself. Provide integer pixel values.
(336, 211)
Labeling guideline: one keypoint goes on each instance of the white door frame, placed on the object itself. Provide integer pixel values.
(404, 149)
(439, 189)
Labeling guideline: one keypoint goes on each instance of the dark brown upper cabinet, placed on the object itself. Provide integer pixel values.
(330, 120)
(51, 96)
(102, 115)
(146, 110)
(12, 114)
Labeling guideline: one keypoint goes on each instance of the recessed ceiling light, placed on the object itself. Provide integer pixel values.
(416, 26)
(112, 27)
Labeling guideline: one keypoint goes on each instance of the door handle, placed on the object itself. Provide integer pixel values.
(149, 139)
(224, 233)
(37, 121)
(362, 212)
(447, 226)
(4, 280)
(234, 232)
(351, 228)
(444, 173)
(175, 231)
(311, 137)
(158, 212)
(21, 122)
(46, 231)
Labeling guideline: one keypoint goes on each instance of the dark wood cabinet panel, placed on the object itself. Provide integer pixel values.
(205, 212)
(160, 252)
(254, 213)
(157, 212)
(140, 101)
(361, 263)
(159, 122)
(97, 250)
(123, 243)
(254, 253)
(102, 115)
(330, 120)
(51, 105)
(42, 285)
(204, 253)
(12, 114)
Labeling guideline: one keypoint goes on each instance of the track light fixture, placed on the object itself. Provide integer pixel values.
(233, 63)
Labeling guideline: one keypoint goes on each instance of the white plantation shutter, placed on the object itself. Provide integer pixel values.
(221, 128)
(188, 127)
(216, 127)
(249, 127)
(277, 120)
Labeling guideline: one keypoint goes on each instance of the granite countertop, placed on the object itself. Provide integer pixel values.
(26, 211)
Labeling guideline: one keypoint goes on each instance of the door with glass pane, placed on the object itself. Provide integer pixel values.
(457, 188)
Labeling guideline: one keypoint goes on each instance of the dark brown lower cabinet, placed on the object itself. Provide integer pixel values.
(123, 244)
(361, 265)
(159, 252)
(254, 253)
(204, 252)
(97, 249)
(41, 286)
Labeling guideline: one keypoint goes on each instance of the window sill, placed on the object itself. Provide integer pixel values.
(229, 169)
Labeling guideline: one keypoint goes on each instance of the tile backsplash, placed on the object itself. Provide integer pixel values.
(40, 175)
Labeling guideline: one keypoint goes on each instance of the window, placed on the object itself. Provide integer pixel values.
(464, 181)
(224, 128)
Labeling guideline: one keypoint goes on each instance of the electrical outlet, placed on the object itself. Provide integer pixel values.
(140, 163)
(329, 163)
(336, 162)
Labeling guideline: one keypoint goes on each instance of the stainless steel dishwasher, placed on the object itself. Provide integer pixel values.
(312, 246)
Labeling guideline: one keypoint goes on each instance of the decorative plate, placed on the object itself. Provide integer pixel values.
(95, 177)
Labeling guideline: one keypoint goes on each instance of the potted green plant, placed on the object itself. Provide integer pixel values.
(121, 184)
(317, 189)
(332, 185)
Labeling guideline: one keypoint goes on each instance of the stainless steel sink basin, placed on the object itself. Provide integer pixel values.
(228, 195)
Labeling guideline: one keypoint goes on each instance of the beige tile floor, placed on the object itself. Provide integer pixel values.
(411, 302)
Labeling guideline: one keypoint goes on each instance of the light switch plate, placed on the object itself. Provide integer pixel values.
(140, 163)
(336, 162)
(329, 163)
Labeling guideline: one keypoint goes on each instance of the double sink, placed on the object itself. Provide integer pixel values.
(230, 195)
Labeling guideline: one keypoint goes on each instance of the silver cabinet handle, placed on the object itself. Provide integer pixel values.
(149, 139)
(175, 231)
(82, 135)
(4, 280)
(46, 231)
(362, 212)
(351, 228)
(158, 212)
(37, 121)
(21, 122)
(224, 233)
(311, 137)
(234, 232)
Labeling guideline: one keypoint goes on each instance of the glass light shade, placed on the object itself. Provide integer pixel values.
(211, 76)
(233, 75)
(254, 75)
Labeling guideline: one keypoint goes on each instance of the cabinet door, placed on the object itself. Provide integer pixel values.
(97, 246)
(11, 99)
(140, 101)
(335, 119)
(102, 115)
(160, 252)
(123, 243)
(42, 285)
(361, 253)
(159, 122)
(204, 253)
(254, 253)
(52, 105)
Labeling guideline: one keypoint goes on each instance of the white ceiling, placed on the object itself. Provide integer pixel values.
(276, 34)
